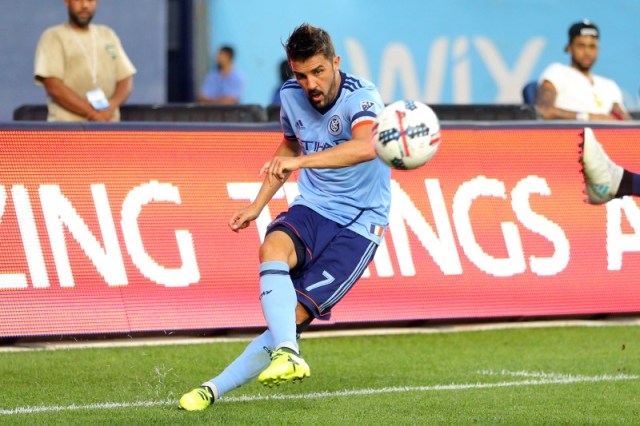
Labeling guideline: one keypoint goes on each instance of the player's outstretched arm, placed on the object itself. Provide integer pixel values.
(358, 150)
(271, 184)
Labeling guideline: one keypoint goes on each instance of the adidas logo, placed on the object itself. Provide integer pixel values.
(299, 125)
(293, 362)
(264, 293)
(600, 189)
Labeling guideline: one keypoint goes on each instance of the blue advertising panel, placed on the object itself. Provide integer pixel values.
(438, 51)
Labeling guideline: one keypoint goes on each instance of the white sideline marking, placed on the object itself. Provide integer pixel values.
(311, 334)
(535, 374)
(544, 379)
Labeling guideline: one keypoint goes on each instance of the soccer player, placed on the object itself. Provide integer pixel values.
(314, 252)
(604, 179)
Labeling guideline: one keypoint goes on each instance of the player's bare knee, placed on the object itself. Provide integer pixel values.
(265, 252)
(278, 246)
(270, 250)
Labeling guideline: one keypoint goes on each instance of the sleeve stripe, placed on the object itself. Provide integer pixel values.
(360, 122)
(363, 114)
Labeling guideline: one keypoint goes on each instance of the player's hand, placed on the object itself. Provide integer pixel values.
(243, 217)
(279, 168)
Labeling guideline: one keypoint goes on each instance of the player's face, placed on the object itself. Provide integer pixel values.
(81, 11)
(319, 77)
(584, 52)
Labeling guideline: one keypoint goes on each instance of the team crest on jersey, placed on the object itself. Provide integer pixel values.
(335, 125)
(366, 105)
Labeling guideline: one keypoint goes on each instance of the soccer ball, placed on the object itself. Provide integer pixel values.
(406, 134)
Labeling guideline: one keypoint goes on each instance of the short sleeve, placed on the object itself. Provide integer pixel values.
(616, 95)
(287, 129)
(49, 57)
(124, 66)
(236, 86)
(553, 74)
(364, 106)
(209, 85)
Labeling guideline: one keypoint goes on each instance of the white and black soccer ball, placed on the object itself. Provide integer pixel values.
(406, 134)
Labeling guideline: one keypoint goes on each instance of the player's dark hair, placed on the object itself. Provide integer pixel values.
(228, 50)
(307, 41)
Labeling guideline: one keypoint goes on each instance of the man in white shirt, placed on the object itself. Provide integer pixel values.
(573, 92)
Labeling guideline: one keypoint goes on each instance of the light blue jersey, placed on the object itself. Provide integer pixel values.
(357, 196)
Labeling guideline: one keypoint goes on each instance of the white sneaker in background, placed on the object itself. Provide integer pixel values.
(601, 175)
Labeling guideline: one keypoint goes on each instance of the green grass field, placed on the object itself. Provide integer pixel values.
(570, 375)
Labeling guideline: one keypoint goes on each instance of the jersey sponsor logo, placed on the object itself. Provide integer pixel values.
(315, 146)
(335, 125)
(366, 105)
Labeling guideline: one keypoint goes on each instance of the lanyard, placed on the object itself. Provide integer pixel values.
(92, 62)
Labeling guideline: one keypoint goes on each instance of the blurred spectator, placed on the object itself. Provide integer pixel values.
(573, 92)
(225, 85)
(83, 68)
(285, 74)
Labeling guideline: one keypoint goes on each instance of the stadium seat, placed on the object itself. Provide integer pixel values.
(273, 113)
(453, 112)
(529, 93)
(484, 112)
(258, 114)
(30, 113)
(194, 113)
(167, 112)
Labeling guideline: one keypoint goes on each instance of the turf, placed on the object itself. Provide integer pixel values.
(575, 375)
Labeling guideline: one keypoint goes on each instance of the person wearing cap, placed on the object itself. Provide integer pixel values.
(573, 92)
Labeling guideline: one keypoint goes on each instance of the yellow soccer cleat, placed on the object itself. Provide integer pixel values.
(286, 366)
(197, 400)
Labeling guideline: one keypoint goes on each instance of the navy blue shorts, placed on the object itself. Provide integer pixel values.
(331, 258)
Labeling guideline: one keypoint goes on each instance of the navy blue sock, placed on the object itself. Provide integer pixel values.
(635, 186)
(629, 184)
